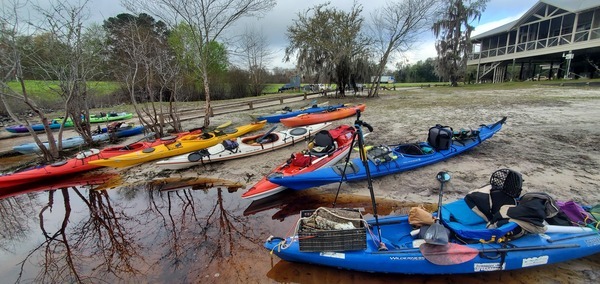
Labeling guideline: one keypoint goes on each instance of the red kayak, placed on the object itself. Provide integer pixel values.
(326, 149)
(80, 163)
(319, 117)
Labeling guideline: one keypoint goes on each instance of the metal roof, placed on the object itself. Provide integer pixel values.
(572, 6)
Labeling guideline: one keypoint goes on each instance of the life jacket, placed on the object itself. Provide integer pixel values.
(300, 160)
(230, 145)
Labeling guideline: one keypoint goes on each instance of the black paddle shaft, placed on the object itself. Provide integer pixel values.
(358, 124)
(441, 177)
(439, 213)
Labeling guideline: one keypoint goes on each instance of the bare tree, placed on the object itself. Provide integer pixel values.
(11, 68)
(396, 28)
(139, 46)
(254, 50)
(207, 19)
(75, 63)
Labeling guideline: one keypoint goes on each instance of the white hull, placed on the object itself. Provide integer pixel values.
(247, 146)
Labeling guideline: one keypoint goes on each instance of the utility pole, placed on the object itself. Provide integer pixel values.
(568, 57)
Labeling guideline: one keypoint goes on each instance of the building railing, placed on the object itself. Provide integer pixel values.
(565, 39)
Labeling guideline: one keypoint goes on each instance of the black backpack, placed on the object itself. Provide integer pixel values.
(440, 137)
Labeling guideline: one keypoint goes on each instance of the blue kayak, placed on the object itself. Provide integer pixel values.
(385, 160)
(286, 113)
(67, 143)
(72, 142)
(358, 247)
(54, 124)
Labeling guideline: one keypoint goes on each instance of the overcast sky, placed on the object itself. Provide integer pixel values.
(275, 23)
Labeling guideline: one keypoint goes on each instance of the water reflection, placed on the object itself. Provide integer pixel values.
(16, 222)
(290, 203)
(182, 230)
(94, 180)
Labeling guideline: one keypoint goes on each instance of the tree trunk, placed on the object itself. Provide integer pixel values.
(208, 109)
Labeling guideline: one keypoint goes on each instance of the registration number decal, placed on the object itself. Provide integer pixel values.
(533, 261)
(488, 267)
(334, 255)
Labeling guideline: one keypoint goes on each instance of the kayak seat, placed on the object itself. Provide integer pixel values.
(468, 226)
(381, 154)
(410, 149)
(323, 144)
(415, 149)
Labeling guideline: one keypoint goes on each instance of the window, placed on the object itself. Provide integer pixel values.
(567, 24)
(584, 22)
(596, 23)
(544, 27)
(555, 26)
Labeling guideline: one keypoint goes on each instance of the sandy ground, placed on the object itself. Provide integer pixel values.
(551, 136)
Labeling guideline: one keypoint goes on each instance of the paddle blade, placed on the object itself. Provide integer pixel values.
(437, 234)
(226, 124)
(260, 140)
(449, 254)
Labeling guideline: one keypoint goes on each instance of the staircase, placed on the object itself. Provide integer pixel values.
(499, 71)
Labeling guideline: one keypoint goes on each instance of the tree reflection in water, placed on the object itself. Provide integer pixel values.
(105, 235)
(15, 219)
(100, 241)
(185, 233)
(200, 229)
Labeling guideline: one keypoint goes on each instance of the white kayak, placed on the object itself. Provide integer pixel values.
(242, 147)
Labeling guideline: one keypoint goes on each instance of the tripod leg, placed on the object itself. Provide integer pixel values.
(345, 167)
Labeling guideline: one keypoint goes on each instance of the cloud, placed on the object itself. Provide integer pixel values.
(274, 24)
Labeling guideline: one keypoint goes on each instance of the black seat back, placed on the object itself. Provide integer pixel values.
(323, 143)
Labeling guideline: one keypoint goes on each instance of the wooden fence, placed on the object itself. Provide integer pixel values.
(224, 108)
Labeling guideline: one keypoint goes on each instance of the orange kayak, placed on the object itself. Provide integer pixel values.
(312, 118)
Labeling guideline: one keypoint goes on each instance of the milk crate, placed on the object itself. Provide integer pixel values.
(313, 239)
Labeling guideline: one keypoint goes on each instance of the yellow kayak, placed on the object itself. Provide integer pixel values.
(185, 144)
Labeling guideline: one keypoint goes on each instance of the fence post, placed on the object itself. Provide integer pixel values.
(250, 105)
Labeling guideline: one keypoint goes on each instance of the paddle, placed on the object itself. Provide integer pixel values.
(451, 253)
(149, 136)
(437, 234)
(226, 124)
(217, 129)
(259, 140)
(311, 104)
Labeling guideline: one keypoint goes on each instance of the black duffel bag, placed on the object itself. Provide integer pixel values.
(440, 137)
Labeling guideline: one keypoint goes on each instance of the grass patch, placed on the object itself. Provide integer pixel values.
(272, 88)
(47, 90)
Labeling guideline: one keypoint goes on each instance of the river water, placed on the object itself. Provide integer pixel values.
(101, 230)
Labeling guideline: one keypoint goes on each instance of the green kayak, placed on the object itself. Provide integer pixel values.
(106, 117)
